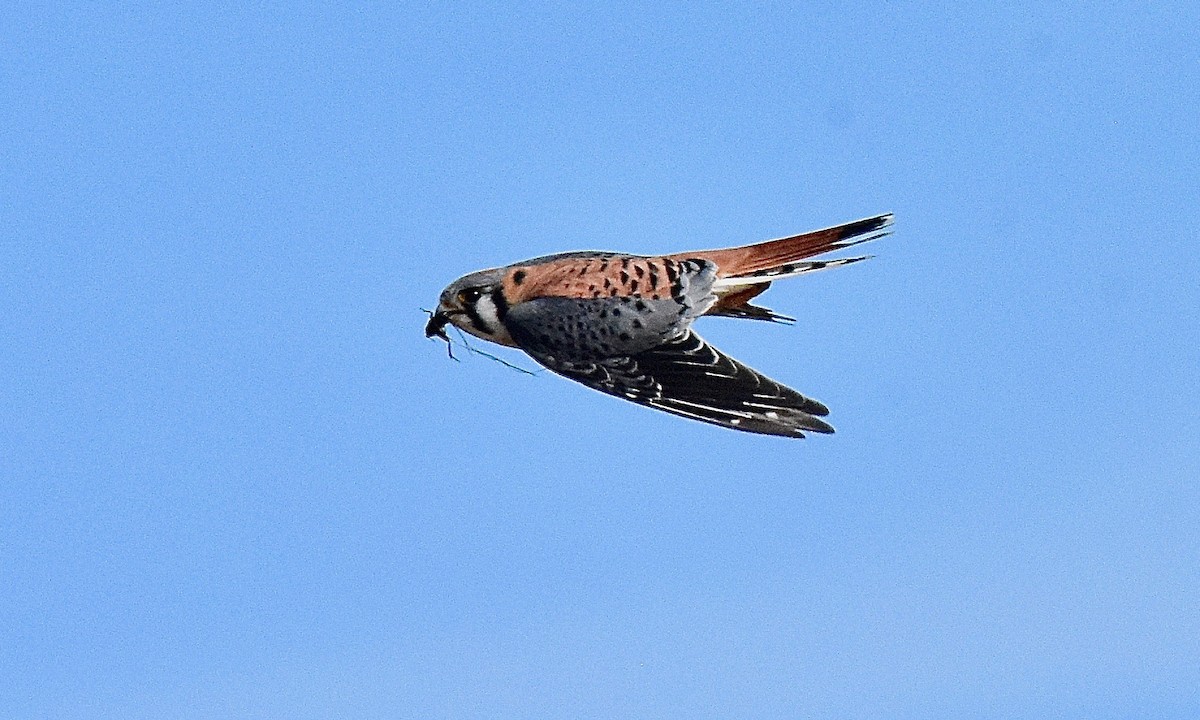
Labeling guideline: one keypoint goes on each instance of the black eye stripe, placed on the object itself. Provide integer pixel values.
(500, 302)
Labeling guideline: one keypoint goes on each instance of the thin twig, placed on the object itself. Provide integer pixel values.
(472, 349)
(502, 361)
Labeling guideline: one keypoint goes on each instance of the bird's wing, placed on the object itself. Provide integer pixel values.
(578, 329)
(571, 328)
(644, 350)
(686, 376)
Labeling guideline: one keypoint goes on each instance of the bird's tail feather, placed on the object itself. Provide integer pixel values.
(789, 251)
(781, 272)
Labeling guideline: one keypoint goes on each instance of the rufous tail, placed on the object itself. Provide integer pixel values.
(775, 254)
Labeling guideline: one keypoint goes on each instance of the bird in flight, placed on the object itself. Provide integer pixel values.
(622, 324)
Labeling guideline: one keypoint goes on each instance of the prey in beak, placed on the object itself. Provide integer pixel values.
(436, 327)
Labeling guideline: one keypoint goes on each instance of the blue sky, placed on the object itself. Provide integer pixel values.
(238, 481)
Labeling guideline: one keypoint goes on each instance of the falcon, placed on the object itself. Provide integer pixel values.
(622, 324)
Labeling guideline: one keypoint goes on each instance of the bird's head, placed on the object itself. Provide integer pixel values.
(473, 303)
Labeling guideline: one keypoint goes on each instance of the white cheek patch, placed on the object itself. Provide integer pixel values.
(486, 309)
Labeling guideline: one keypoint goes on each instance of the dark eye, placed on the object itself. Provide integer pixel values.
(469, 296)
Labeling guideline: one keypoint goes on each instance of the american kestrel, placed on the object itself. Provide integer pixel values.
(622, 324)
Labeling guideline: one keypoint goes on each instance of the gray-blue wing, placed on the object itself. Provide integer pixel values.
(572, 328)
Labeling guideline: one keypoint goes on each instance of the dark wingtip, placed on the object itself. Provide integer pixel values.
(864, 226)
(813, 407)
(816, 425)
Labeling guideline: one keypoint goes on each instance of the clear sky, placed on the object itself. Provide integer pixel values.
(236, 481)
